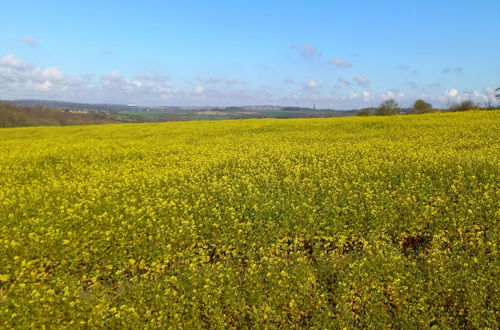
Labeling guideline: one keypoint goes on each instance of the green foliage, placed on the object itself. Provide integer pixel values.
(420, 106)
(388, 108)
(365, 112)
(380, 222)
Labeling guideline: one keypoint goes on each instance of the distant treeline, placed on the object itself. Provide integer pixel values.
(391, 107)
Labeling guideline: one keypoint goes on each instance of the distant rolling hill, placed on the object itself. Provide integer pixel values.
(75, 105)
(12, 115)
(44, 112)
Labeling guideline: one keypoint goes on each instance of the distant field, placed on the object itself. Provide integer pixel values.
(375, 222)
(54, 113)
(183, 115)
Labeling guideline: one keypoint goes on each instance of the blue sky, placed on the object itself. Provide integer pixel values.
(337, 54)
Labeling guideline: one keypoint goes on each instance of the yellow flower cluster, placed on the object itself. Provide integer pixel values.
(326, 223)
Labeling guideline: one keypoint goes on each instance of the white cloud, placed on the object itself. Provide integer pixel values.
(393, 94)
(19, 79)
(230, 81)
(43, 87)
(453, 96)
(340, 62)
(12, 61)
(311, 85)
(366, 96)
(16, 75)
(114, 80)
(452, 92)
(53, 73)
(32, 42)
(361, 80)
(22, 80)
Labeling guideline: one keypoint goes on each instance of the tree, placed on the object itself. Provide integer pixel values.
(365, 112)
(420, 106)
(490, 99)
(387, 108)
(497, 94)
(465, 106)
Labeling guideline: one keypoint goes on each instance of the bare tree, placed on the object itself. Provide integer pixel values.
(465, 106)
(387, 108)
(497, 94)
(490, 99)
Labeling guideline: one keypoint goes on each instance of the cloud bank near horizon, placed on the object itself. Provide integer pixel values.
(20, 79)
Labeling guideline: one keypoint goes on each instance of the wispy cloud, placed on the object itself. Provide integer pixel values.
(448, 70)
(32, 42)
(344, 81)
(154, 77)
(412, 85)
(217, 80)
(340, 62)
(210, 80)
(407, 68)
(361, 80)
(306, 50)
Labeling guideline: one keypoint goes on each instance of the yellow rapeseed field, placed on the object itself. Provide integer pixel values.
(341, 222)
